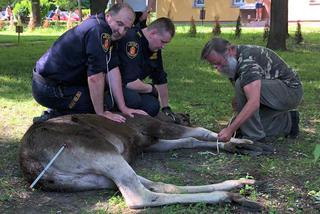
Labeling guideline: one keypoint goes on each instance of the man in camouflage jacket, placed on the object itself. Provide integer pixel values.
(266, 90)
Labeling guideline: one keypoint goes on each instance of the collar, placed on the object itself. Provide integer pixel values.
(100, 17)
(145, 42)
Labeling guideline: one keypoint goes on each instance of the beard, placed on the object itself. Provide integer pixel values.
(230, 69)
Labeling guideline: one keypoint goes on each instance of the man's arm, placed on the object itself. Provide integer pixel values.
(252, 92)
(163, 94)
(115, 82)
(149, 8)
(139, 86)
(96, 85)
(96, 88)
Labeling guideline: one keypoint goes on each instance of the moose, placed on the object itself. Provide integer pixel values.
(98, 152)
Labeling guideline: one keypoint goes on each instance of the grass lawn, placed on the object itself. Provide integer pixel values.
(290, 178)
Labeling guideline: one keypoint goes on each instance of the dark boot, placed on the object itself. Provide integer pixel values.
(295, 119)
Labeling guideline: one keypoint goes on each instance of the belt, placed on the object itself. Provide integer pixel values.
(39, 78)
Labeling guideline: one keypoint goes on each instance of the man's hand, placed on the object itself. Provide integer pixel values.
(144, 16)
(154, 91)
(130, 112)
(168, 112)
(225, 134)
(115, 117)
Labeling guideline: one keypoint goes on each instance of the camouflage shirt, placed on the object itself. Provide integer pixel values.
(258, 63)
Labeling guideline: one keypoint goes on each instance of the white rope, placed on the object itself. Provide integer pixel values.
(234, 134)
(109, 78)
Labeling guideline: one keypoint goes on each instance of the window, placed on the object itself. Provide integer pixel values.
(238, 3)
(198, 3)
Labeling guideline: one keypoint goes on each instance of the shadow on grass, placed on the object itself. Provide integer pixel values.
(17, 63)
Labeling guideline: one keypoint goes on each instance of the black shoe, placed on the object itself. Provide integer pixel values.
(295, 119)
(46, 115)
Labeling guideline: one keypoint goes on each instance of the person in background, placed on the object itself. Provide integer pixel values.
(142, 9)
(259, 8)
(57, 12)
(9, 13)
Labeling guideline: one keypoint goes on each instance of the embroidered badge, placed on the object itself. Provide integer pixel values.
(105, 41)
(132, 49)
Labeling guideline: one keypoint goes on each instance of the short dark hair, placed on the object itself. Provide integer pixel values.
(217, 45)
(114, 10)
(163, 25)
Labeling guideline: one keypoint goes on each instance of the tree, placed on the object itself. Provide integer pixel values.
(66, 4)
(80, 11)
(279, 25)
(237, 32)
(216, 31)
(193, 28)
(298, 35)
(98, 6)
(5, 3)
(36, 18)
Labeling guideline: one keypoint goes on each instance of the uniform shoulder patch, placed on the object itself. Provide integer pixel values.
(132, 49)
(105, 41)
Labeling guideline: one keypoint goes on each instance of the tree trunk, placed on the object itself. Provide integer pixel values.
(279, 25)
(80, 11)
(98, 6)
(286, 16)
(36, 12)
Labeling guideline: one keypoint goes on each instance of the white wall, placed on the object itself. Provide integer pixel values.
(302, 10)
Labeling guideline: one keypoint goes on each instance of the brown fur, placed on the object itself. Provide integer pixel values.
(98, 151)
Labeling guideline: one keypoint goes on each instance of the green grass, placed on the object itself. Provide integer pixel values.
(195, 88)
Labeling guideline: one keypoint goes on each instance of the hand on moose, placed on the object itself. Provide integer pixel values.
(115, 117)
(130, 112)
(167, 111)
(154, 91)
(225, 134)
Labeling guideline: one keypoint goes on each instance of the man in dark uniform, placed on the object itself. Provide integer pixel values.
(140, 57)
(266, 90)
(70, 77)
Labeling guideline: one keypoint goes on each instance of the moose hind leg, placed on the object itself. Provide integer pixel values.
(138, 196)
(170, 188)
(70, 182)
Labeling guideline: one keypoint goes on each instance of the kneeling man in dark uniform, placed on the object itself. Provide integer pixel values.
(140, 57)
(70, 77)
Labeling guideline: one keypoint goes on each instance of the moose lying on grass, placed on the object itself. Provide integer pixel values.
(98, 152)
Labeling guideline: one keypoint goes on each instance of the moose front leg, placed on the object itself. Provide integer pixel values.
(191, 143)
(207, 135)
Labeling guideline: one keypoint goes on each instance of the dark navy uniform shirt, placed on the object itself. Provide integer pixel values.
(79, 53)
(137, 61)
